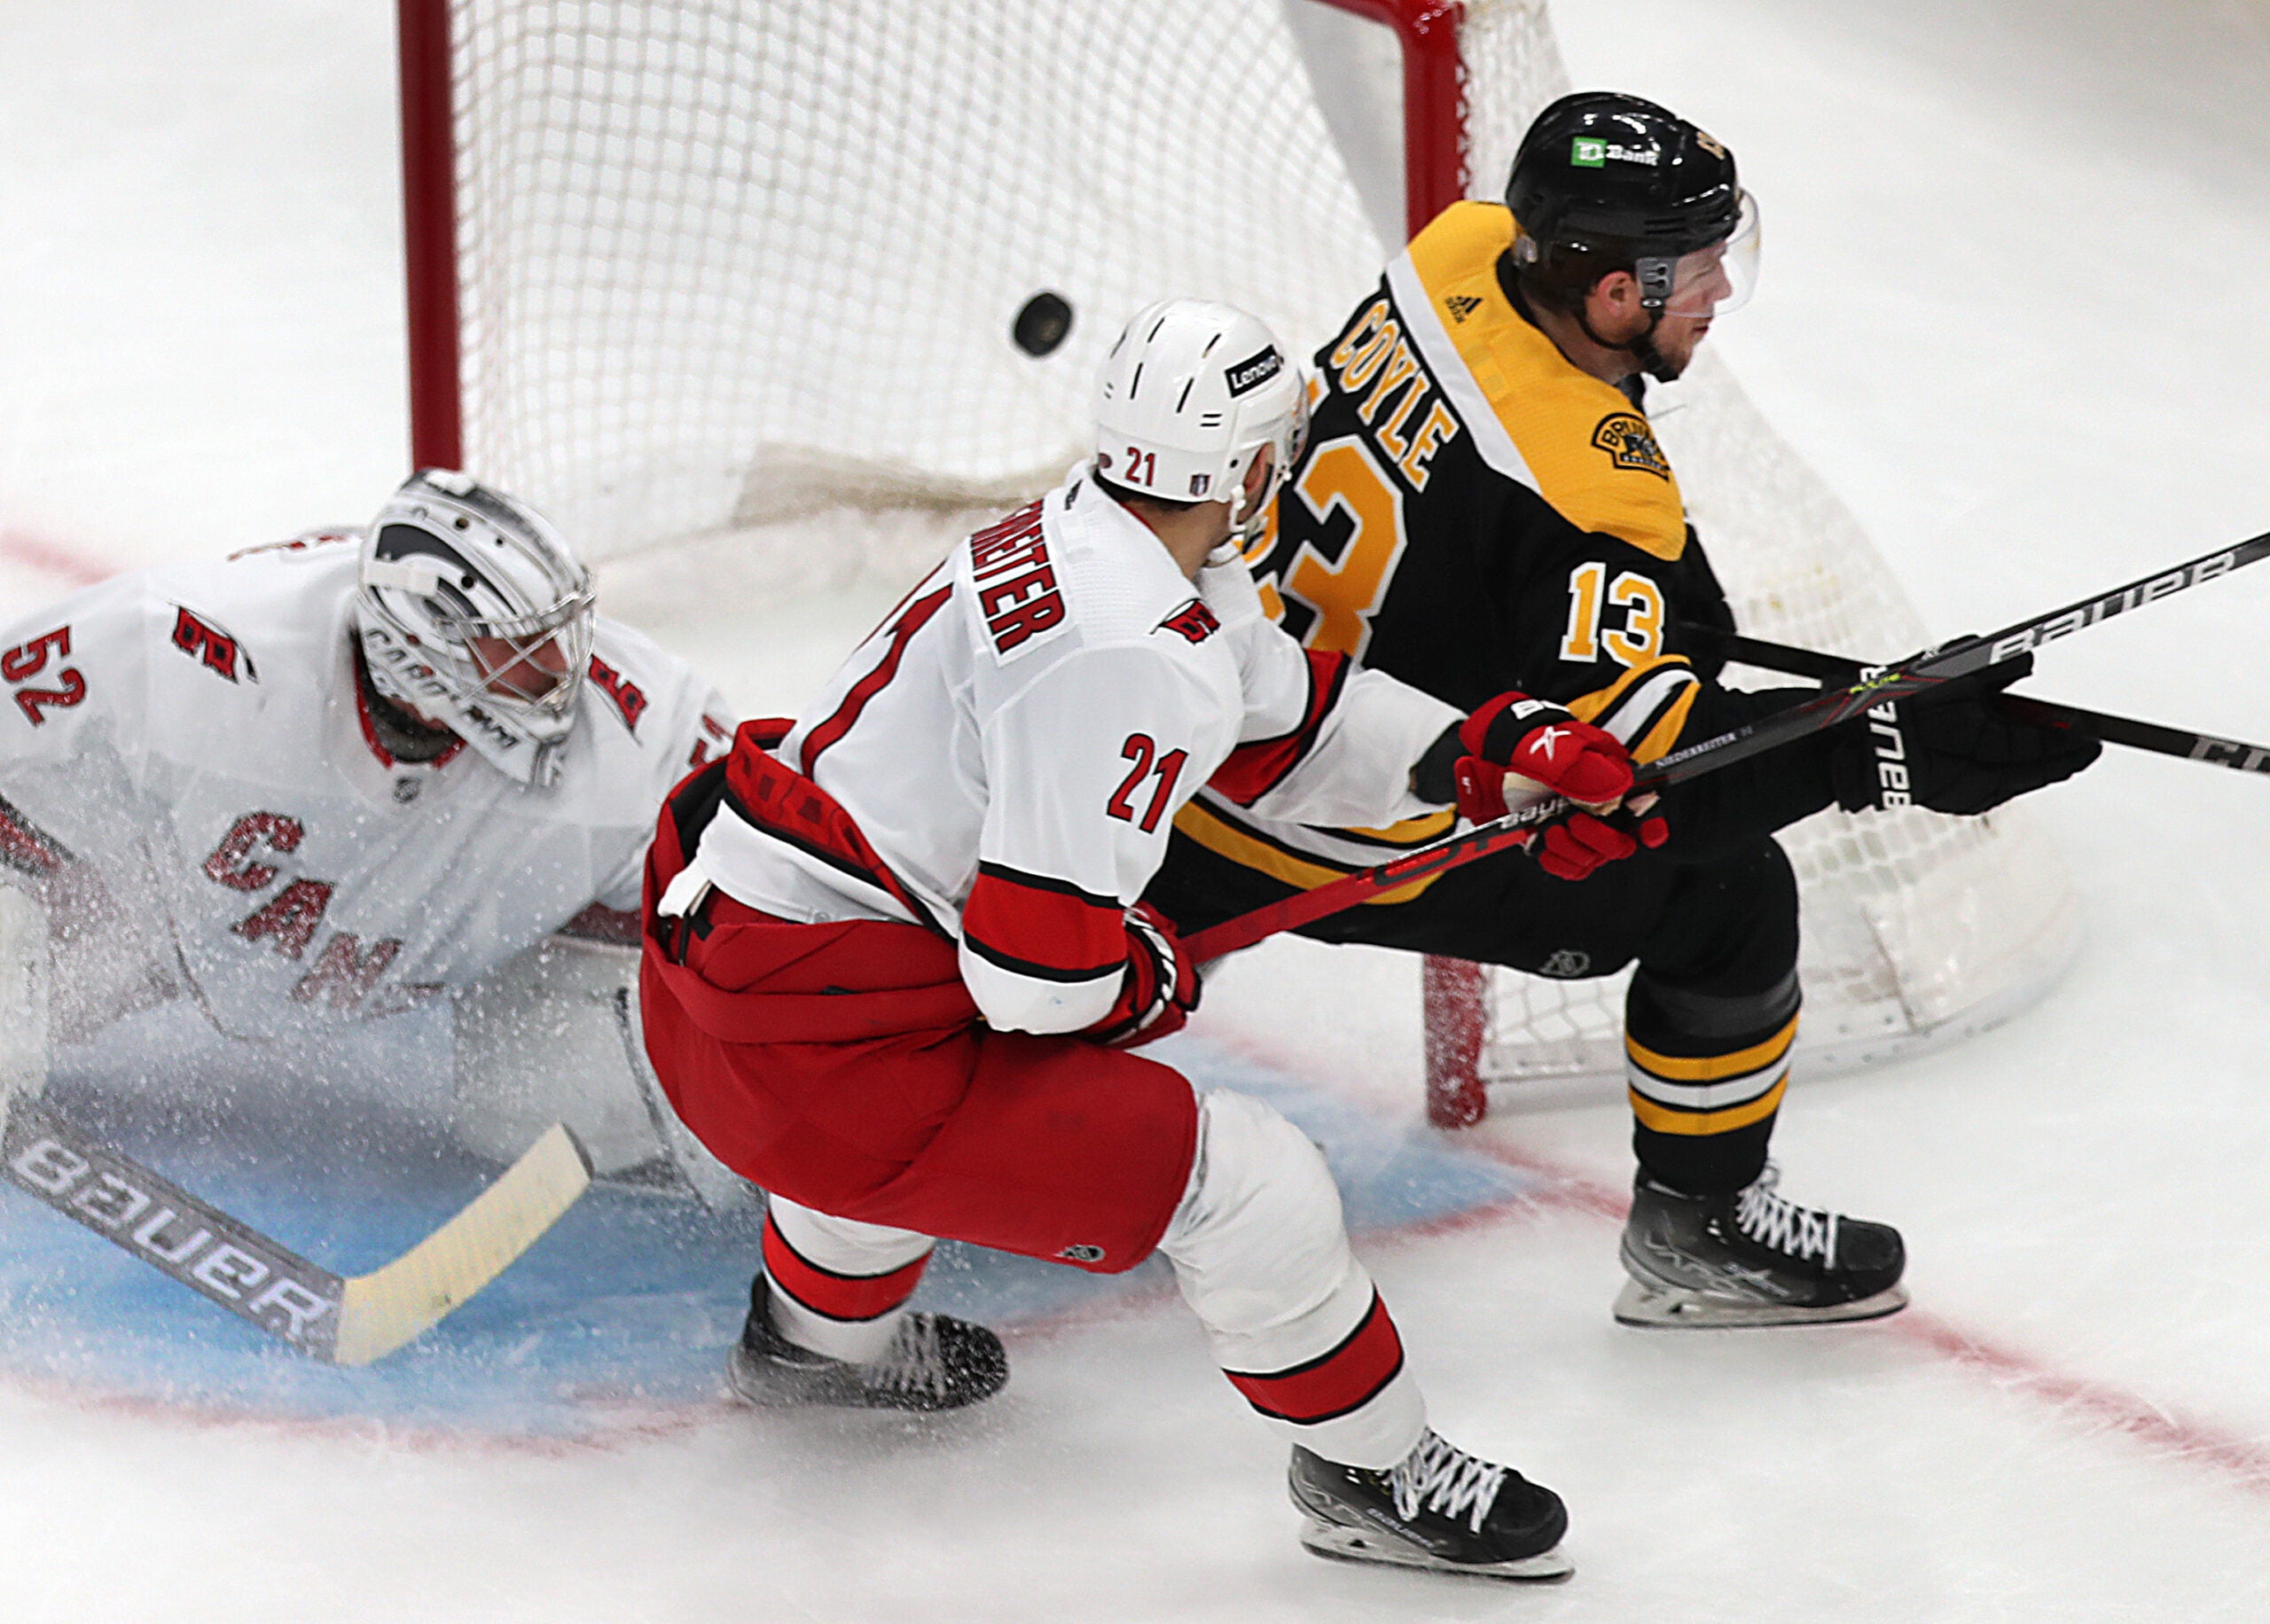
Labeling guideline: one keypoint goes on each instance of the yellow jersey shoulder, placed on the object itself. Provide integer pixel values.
(1593, 455)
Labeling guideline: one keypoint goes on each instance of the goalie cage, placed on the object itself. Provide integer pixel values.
(728, 289)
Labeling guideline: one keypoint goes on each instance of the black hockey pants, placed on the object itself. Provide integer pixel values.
(1710, 1013)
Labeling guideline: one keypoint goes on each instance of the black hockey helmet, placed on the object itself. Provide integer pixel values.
(1618, 173)
(1607, 181)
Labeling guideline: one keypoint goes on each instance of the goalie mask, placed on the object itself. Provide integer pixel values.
(1189, 395)
(473, 612)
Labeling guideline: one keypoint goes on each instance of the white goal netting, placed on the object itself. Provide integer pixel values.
(734, 276)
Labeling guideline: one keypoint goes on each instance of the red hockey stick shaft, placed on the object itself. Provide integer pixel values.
(1925, 671)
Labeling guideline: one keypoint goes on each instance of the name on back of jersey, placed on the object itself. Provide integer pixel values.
(1014, 581)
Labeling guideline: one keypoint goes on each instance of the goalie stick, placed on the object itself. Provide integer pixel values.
(348, 1320)
(1917, 674)
(1835, 668)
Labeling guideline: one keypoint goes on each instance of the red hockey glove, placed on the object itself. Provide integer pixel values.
(1160, 989)
(1573, 845)
(1541, 742)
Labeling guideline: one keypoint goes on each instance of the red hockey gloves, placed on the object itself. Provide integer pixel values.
(1541, 743)
(1958, 752)
(1160, 989)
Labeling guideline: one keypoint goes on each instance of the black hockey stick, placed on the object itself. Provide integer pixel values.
(1918, 674)
(348, 1319)
(1835, 668)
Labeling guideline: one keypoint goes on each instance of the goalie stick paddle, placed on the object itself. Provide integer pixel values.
(1918, 674)
(2235, 753)
(346, 1320)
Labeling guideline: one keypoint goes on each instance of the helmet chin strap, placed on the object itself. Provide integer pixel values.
(1654, 278)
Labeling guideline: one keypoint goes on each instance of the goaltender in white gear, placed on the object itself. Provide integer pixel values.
(331, 779)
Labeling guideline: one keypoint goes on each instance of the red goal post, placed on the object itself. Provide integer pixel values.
(692, 274)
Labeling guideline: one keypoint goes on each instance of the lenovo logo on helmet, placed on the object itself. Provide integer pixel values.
(1255, 370)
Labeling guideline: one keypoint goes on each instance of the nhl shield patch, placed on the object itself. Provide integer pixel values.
(1630, 443)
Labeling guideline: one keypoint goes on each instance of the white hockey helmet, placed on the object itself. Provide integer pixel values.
(1189, 393)
(473, 611)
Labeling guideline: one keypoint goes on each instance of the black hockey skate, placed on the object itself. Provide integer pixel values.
(1441, 1509)
(1753, 1258)
(933, 1363)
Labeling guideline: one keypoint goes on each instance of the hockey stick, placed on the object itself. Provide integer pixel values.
(346, 1320)
(1834, 668)
(1918, 674)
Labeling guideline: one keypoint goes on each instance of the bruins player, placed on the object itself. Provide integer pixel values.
(1484, 507)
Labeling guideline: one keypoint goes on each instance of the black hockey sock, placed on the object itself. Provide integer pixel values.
(1709, 1022)
(1706, 1073)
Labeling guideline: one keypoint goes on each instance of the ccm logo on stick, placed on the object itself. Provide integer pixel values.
(172, 1240)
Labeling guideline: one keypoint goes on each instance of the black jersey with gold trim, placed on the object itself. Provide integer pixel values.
(1475, 513)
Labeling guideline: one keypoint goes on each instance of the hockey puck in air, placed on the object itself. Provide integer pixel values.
(1042, 324)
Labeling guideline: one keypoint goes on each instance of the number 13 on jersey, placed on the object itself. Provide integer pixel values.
(1641, 637)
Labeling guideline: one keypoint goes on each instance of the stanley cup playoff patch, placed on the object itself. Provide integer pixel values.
(1630, 443)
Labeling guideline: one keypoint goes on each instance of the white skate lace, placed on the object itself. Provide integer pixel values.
(1773, 1220)
(1447, 1480)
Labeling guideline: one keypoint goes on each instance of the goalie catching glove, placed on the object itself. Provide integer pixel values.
(1959, 752)
(1160, 988)
(1537, 744)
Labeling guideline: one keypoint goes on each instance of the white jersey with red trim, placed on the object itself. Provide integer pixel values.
(1014, 740)
(194, 737)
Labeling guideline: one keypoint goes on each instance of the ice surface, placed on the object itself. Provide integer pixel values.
(2011, 309)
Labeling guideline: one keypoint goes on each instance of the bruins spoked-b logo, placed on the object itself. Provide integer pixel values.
(1630, 443)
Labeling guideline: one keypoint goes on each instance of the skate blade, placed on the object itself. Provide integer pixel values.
(1656, 1307)
(1340, 1544)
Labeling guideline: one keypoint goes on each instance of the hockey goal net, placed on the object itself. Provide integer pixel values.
(697, 276)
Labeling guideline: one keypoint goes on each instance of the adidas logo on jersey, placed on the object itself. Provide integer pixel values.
(1461, 305)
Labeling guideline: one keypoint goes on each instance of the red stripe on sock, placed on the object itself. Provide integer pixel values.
(839, 1297)
(1347, 1379)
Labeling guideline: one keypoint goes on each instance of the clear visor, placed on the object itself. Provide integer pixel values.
(1285, 447)
(1711, 281)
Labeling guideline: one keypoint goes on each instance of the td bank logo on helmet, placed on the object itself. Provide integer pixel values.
(1253, 372)
(1592, 152)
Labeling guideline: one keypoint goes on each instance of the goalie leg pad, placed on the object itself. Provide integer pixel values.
(552, 1036)
(25, 984)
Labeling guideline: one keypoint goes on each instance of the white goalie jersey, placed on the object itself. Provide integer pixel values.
(193, 783)
(1058, 689)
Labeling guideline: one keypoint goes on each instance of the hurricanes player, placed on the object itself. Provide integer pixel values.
(1483, 505)
(331, 779)
(894, 955)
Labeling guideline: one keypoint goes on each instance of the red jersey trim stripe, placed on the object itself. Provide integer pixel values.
(773, 798)
(1031, 924)
(839, 1297)
(385, 755)
(24, 848)
(1345, 1380)
(847, 714)
(1253, 769)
